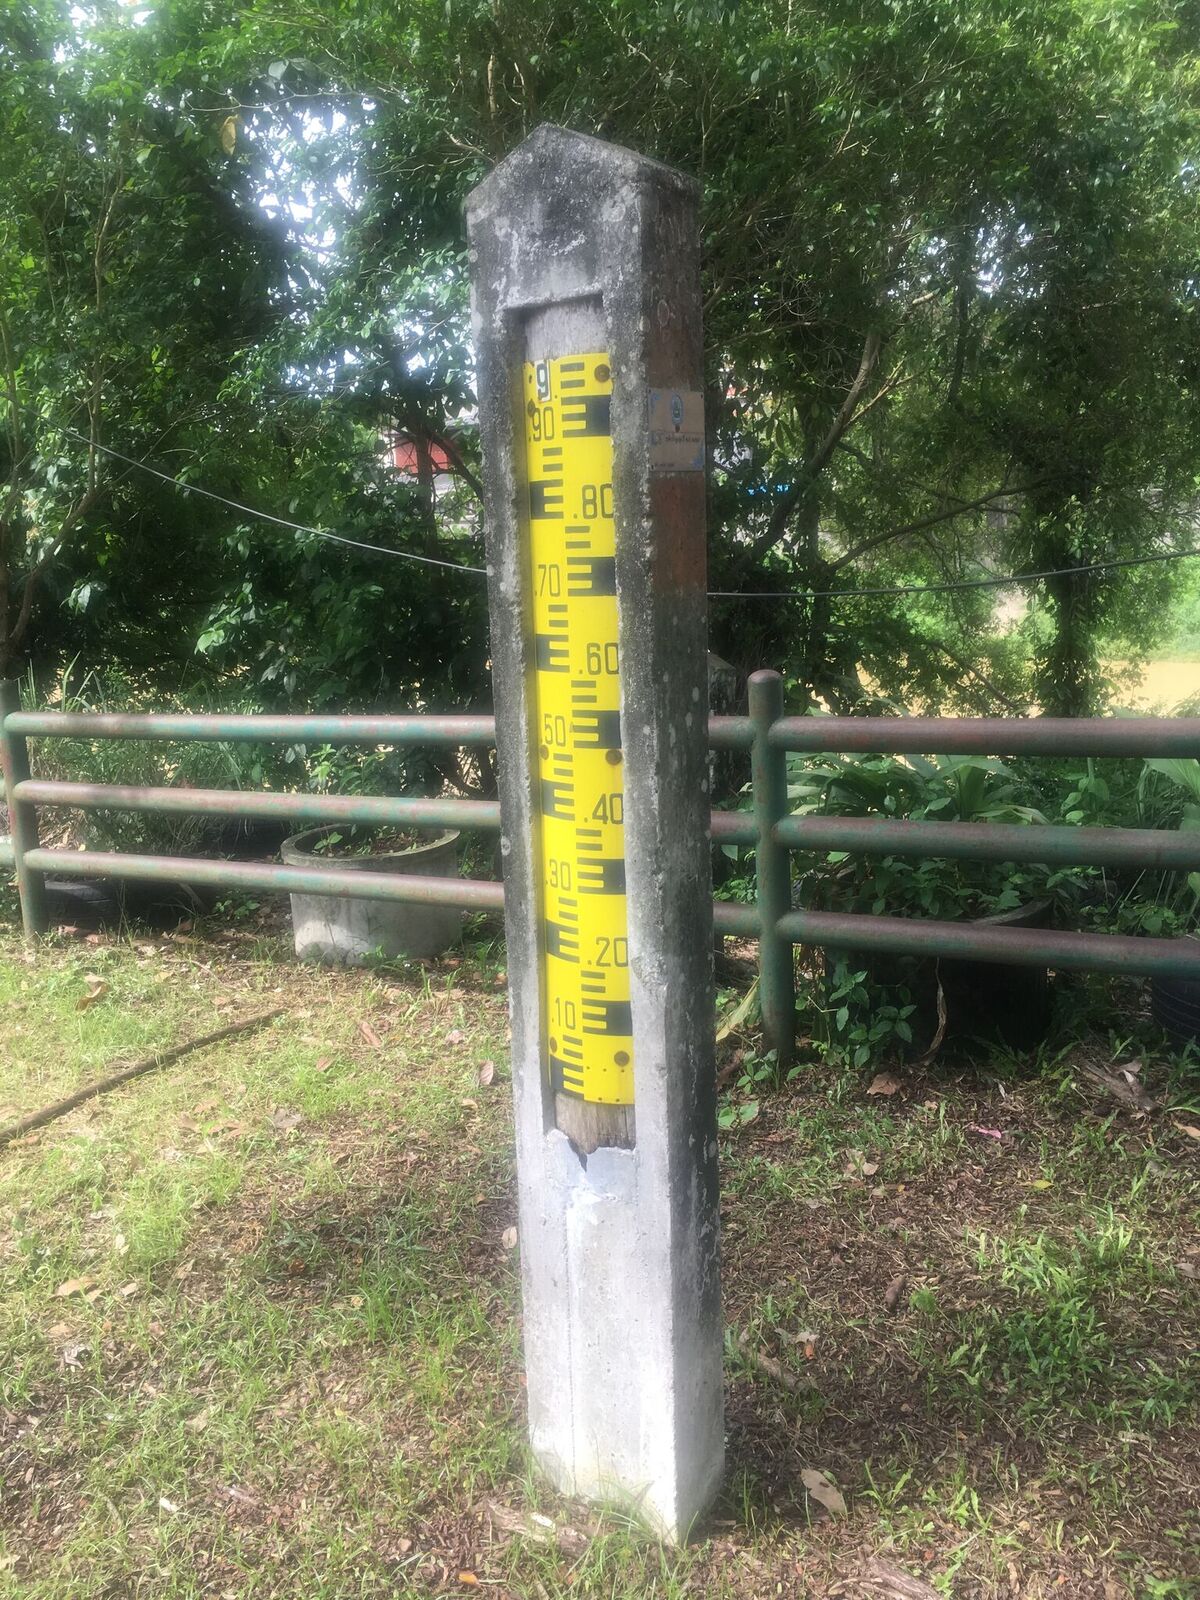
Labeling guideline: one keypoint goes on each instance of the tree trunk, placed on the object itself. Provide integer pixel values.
(1066, 678)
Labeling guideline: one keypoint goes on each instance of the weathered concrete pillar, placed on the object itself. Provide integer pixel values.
(588, 334)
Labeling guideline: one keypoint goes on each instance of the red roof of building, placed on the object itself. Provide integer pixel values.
(405, 458)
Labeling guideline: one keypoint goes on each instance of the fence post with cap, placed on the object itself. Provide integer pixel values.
(22, 817)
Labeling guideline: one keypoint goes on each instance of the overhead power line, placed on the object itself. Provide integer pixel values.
(1008, 580)
(267, 516)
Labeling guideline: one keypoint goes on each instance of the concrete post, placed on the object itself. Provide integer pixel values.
(587, 324)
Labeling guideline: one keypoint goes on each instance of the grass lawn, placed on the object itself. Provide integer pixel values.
(259, 1318)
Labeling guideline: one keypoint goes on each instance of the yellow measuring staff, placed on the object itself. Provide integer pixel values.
(577, 702)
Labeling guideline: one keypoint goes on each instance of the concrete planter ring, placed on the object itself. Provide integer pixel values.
(349, 932)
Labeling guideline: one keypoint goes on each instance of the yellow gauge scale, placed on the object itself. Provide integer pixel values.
(577, 701)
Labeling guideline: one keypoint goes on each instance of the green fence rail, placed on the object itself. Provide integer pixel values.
(766, 735)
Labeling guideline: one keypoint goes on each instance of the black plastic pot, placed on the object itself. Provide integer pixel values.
(1175, 1006)
(249, 838)
(987, 1000)
(983, 999)
(96, 904)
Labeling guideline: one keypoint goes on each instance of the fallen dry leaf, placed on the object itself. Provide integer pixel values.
(943, 1017)
(456, 1037)
(509, 1238)
(97, 990)
(1122, 1085)
(891, 1295)
(987, 1133)
(883, 1083)
(824, 1491)
(369, 1034)
(768, 1364)
(225, 1125)
(882, 1581)
(532, 1525)
(522, 1524)
(486, 1074)
(324, 1064)
(73, 1286)
(1188, 1128)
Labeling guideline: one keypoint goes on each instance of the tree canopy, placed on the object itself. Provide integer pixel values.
(950, 302)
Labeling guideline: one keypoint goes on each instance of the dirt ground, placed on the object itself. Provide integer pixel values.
(260, 1326)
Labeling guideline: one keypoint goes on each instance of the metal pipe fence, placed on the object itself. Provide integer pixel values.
(26, 794)
(378, 811)
(765, 735)
(772, 737)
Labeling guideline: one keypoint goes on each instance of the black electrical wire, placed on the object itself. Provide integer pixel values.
(267, 516)
(1008, 580)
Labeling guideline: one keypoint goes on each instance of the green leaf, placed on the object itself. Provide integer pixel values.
(1182, 772)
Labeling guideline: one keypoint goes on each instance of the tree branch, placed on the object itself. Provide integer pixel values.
(901, 477)
(845, 417)
(450, 446)
(930, 521)
(72, 519)
(815, 464)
